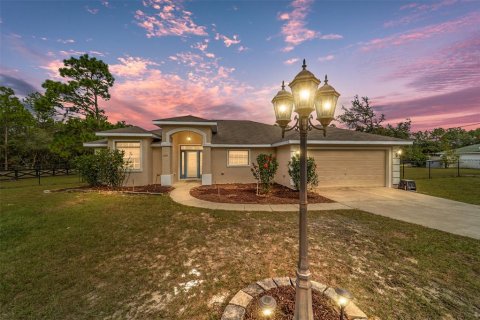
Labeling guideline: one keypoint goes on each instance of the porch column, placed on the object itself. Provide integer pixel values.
(166, 178)
(207, 166)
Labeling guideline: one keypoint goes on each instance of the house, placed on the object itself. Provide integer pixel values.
(468, 158)
(222, 151)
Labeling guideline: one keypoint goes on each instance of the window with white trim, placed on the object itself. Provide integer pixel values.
(131, 153)
(238, 158)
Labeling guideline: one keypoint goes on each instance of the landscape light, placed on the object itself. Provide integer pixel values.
(267, 306)
(344, 298)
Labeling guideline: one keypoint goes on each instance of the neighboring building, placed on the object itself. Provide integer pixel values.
(469, 158)
(222, 151)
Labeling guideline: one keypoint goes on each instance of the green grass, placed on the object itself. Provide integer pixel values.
(91, 256)
(445, 184)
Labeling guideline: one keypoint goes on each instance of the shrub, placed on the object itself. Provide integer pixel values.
(294, 172)
(264, 171)
(107, 167)
(88, 168)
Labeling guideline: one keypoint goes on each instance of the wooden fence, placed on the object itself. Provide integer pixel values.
(16, 174)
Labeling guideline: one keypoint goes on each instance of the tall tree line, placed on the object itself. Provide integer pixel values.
(360, 116)
(49, 128)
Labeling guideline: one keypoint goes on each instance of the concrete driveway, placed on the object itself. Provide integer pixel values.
(438, 213)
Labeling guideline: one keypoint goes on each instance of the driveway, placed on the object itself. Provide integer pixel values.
(438, 213)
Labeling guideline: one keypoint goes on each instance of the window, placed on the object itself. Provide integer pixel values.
(237, 158)
(132, 153)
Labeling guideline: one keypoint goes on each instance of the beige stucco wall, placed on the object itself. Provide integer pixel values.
(283, 157)
(144, 175)
(224, 174)
(156, 164)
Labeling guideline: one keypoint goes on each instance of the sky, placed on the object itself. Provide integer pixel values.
(227, 59)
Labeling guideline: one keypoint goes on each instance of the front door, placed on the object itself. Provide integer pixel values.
(190, 164)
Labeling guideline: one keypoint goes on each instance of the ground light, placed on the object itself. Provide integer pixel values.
(267, 306)
(305, 98)
(344, 297)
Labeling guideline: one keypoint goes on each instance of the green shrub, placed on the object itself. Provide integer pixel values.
(88, 168)
(106, 167)
(294, 172)
(264, 171)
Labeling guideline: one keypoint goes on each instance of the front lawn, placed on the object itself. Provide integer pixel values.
(445, 184)
(90, 256)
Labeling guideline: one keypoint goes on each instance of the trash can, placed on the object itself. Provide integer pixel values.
(408, 185)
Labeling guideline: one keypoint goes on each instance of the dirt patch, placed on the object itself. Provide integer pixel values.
(151, 188)
(285, 298)
(247, 193)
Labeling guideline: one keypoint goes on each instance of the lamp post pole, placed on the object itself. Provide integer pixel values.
(305, 98)
(303, 295)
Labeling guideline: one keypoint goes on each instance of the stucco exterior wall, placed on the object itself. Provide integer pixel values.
(144, 175)
(222, 173)
(395, 164)
(283, 157)
(156, 164)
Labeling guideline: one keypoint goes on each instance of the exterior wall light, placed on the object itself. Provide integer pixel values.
(344, 298)
(267, 306)
(189, 139)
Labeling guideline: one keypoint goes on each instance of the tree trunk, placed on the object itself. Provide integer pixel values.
(6, 147)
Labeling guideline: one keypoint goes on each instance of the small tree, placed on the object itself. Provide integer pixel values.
(294, 172)
(449, 157)
(265, 171)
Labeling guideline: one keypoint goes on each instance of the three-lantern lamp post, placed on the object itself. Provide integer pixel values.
(303, 100)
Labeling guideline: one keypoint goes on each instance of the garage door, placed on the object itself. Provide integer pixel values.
(350, 168)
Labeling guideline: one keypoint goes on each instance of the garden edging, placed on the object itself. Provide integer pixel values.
(237, 306)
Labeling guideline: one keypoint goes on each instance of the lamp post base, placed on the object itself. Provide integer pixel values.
(303, 297)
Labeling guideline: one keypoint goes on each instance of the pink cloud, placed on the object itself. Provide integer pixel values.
(226, 40)
(52, 68)
(66, 41)
(131, 67)
(295, 30)
(469, 20)
(169, 19)
(448, 109)
(158, 95)
(290, 61)
(418, 12)
(452, 67)
(203, 46)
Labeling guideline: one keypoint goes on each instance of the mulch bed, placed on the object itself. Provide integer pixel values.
(247, 193)
(285, 297)
(151, 188)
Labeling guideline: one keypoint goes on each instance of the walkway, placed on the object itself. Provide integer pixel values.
(181, 194)
(437, 213)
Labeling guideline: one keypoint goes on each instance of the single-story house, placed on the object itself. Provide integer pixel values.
(468, 156)
(222, 151)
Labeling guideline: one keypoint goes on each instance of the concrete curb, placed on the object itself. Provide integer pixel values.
(181, 195)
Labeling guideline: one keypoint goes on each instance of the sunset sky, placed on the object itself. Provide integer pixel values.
(226, 59)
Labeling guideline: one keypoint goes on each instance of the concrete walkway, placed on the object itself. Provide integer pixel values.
(437, 213)
(181, 194)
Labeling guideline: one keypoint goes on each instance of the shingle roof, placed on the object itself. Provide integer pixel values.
(243, 132)
(133, 130)
(474, 148)
(188, 118)
(96, 143)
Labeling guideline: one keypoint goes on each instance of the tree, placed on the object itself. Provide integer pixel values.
(294, 172)
(265, 171)
(14, 119)
(87, 82)
(361, 117)
(42, 108)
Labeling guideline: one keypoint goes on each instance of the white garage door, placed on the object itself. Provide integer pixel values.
(350, 168)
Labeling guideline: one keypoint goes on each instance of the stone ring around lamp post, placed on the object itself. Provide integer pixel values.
(240, 302)
(304, 99)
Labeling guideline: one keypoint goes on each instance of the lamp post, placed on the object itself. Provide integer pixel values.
(304, 99)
